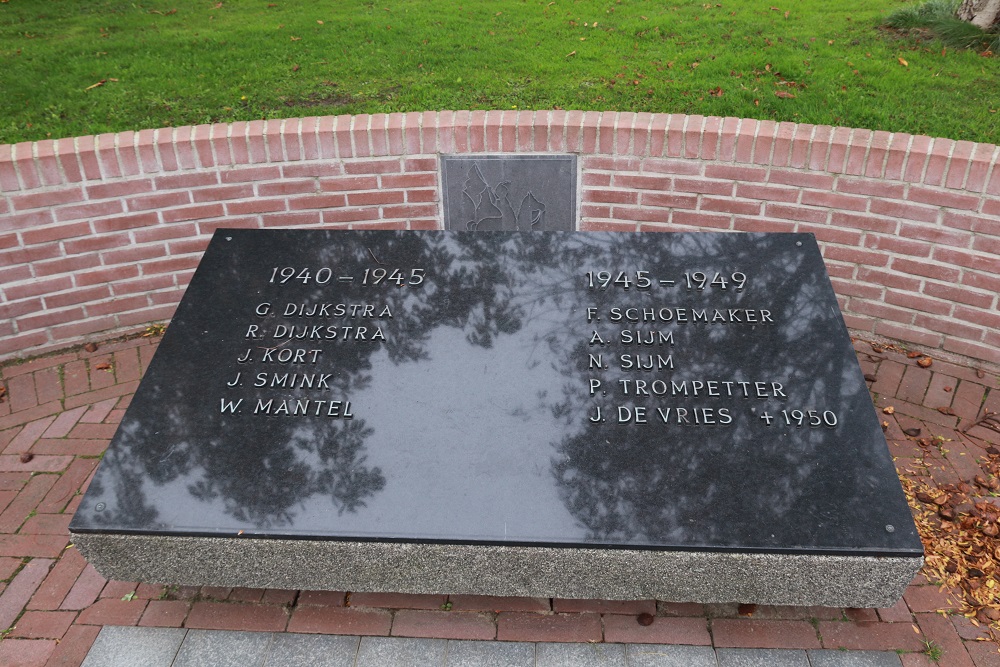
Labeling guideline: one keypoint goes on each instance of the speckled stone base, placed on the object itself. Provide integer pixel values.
(610, 574)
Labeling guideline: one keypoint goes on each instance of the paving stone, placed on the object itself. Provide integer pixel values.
(28, 434)
(134, 647)
(916, 660)
(652, 655)
(759, 657)
(202, 648)
(898, 613)
(64, 423)
(43, 624)
(85, 591)
(401, 652)
(326, 598)
(59, 582)
(8, 566)
(579, 655)
(927, 598)
(47, 524)
(109, 611)
(313, 650)
(498, 603)
(490, 654)
(680, 608)
(279, 596)
(443, 624)
(165, 613)
(753, 633)
(26, 652)
(398, 600)
(336, 620)
(74, 646)
(96, 413)
(29, 497)
(940, 630)
(633, 607)
(663, 630)
(225, 616)
(517, 626)
(827, 658)
(20, 590)
(983, 653)
(870, 636)
(68, 484)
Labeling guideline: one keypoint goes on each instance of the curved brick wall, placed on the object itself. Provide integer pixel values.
(101, 234)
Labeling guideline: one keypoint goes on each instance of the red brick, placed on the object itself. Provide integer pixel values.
(43, 624)
(250, 174)
(8, 566)
(279, 596)
(31, 431)
(984, 654)
(443, 624)
(216, 592)
(735, 173)
(497, 604)
(324, 598)
(754, 633)
(73, 647)
(25, 503)
(375, 167)
(26, 652)
(664, 630)
(59, 581)
(225, 616)
(85, 591)
(165, 613)
(519, 626)
(19, 591)
(397, 600)
(112, 611)
(633, 607)
(927, 599)
(47, 524)
(326, 620)
(870, 637)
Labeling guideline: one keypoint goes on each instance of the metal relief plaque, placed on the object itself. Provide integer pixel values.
(509, 192)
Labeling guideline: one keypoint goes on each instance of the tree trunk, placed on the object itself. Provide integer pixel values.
(982, 13)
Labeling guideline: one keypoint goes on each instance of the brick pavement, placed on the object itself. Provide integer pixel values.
(58, 413)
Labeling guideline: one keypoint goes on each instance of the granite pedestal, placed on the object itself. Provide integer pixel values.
(617, 416)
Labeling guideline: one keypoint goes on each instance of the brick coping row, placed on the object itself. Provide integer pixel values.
(101, 234)
(62, 410)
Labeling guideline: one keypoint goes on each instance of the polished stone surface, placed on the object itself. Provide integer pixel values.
(473, 389)
(527, 193)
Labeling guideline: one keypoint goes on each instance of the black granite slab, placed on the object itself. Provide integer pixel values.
(495, 388)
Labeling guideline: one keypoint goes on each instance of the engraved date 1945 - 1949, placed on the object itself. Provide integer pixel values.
(323, 276)
(693, 280)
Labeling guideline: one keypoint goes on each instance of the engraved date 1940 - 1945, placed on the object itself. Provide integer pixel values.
(325, 275)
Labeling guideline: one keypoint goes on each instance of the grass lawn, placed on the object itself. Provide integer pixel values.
(178, 62)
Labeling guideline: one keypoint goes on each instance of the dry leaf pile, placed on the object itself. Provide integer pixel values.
(959, 525)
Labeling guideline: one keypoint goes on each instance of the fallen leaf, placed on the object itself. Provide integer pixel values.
(295, 68)
(716, 92)
(914, 355)
(319, 22)
(26, 457)
(783, 94)
(888, 410)
(870, 377)
(295, 39)
(96, 85)
(903, 62)
(103, 366)
(924, 362)
(571, 53)
(947, 411)
(911, 432)
(90, 347)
